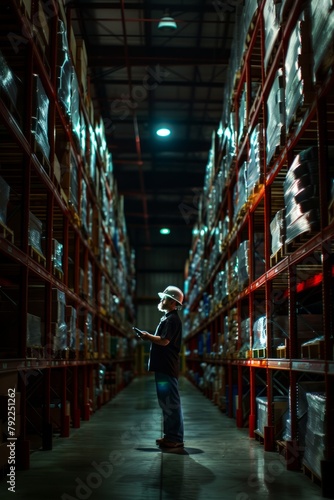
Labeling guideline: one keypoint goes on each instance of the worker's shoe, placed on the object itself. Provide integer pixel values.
(164, 443)
(159, 441)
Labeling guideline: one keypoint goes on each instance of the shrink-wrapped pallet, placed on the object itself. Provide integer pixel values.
(315, 439)
(254, 169)
(298, 71)
(301, 195)
(260, 333)
(322, 33)
(277, 231)
(275, 116)
(243, 264)
(40, 116)
(8, 84)
(64, 69)
(271, 17)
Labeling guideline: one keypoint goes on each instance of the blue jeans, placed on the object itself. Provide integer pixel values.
(170, 403)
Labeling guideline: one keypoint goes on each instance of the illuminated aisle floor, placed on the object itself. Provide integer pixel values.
(114, 457)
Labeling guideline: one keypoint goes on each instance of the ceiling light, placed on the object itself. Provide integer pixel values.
(167, 23)
(165, 230)
(163, 132)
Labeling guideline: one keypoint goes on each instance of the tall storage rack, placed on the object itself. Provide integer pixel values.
(259, 280)
(66, 267)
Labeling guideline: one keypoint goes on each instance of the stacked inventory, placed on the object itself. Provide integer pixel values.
(301, 195)
(255, 165)
(298, 73)
(322, 16)
(275, 117)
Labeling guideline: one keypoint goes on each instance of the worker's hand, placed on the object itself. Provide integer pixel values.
(144, 335)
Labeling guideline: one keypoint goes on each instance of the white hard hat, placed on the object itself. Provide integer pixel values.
(173, 293)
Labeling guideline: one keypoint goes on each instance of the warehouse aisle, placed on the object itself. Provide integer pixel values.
(114, 457)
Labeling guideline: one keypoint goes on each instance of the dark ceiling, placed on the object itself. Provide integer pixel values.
(142, 77)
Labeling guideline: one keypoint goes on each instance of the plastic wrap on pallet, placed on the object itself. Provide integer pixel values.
(306, 223)
(275, 116)
(57, 255)
(260, 333)
(243, 264)
(258, 255)
(233, 283)
(315, 441)
(60, 337)
(240, 196)
(58, 306)
(40, 113)
(4, 199)
(280, 414)
(7, 81)
(64, 83)
(35, 233)
(244, 336)
(34, 330)
(254, 169)
(83, 205)
(242, 114)
(71, 322)
(277, 231)
(92, 158)
(298, 68)
(219, 288)
(64, 69)
(231, 332)
(301, 195)
(83, 135)
(75, 107)
(322, 31)
(90, 280)
(248, 13)
(74, 182)
(271, 17)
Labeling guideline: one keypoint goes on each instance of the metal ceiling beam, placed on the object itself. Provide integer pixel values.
(113, 55)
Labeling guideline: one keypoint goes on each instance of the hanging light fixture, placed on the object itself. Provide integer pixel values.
(167, 23)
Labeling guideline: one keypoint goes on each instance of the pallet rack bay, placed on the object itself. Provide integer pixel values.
(66, 267)
(260, 274)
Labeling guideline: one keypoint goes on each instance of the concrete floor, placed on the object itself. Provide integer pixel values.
(114, 457)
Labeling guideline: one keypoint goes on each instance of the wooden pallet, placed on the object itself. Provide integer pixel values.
(57, 272)
(311, 475)
(275, 258)
(316, 350)
(6, 233)
(255, 191)
(37, 256)
(281, 351)
(297, 242)
(259, 353)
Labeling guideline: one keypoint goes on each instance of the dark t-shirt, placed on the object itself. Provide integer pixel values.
(165, 359)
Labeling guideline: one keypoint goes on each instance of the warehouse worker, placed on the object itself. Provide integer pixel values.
(164, 361)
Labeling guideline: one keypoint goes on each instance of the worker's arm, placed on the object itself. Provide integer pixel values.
(155, 339)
